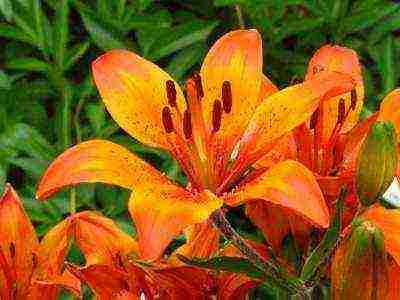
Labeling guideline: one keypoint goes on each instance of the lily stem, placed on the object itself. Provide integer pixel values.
(240, 17)
(271, 270)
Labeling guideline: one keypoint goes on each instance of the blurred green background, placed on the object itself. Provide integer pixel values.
(48, 101)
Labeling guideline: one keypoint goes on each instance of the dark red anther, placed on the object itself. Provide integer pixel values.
(34, 260)
(227, 96)
(187, 124)
(167, 120)
(171, 92)
(314, 118)
(341, 111)
(217, 115)
(12, 250)
(353, 99)
(199, 85)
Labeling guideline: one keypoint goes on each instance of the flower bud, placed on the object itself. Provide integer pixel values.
(359, 267)
(377, 163)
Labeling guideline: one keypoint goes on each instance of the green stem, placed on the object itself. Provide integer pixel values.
(271, 270)
(239, 15)
(72, 201)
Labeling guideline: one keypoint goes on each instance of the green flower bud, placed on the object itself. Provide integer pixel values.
(360, 268)
(377, 163)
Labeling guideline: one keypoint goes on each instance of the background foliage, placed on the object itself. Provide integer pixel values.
(48, 101)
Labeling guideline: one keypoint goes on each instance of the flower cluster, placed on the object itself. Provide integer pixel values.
(297, 159)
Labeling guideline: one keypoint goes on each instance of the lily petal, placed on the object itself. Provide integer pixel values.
(235, 287)
(161, 212)
(263, 215)
(388, 221)
(134, 92)
(237, 58)
(18, 241)
(291, 186)
(202, 241)
(343, 60)
(394, 279)
(284, 111)
(97, 161)
(390, 110)
(110, 242)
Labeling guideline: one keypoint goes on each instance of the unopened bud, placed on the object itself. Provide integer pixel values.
(359, 267)
(377, 163)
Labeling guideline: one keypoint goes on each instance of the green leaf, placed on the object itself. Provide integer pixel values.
(28, 64)
(384, 28)
(75, 53)
(219, 3)
(6, 9)
(61, 33)
(296, 26)
(14, 33)
(27, 139)
(97, 117)
(225, 263)
(184, 60)
(5, 82)
(368, 17)
(33, 167)
(320, 254)
(386, 65)
(180, 37)
(103, 36)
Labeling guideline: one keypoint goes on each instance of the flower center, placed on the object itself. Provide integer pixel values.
(188, 134)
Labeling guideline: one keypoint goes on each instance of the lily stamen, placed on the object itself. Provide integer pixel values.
(217, 116)
(227, 96)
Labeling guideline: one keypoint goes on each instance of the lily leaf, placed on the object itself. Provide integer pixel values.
(326, 246)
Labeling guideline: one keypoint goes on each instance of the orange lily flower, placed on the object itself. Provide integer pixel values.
(388, 221)
(327, 143)
(29, 269)
(113, 270)
(231, 117)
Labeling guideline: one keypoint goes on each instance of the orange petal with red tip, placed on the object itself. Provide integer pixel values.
(263, 215)
(235, 287)
(284, 111)
(390, 110)
(388, 221)
(105, 281)
(161, 212)
(134, 92)
(394, 280)
(97, 161)
(343, 60)
(110, 243)
(18, 241)
(50, 289)
(289, 185)
(202, 241)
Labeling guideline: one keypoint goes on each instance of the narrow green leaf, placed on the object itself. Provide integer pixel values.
(5, 82)
(226, 263)
(28, 64)
(386, 65)
(368, 17)
(180, 37)
(384, 28)
(32, 166)
(296, 26)
(61, 33)
(326, 246)
(6, 9)
(102, 35)
(15, 33)
(75, 53)
(184, 60)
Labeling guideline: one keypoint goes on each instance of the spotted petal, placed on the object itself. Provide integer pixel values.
(164, 211)
(97, 161)
(344, 60)
(134, 92)
(390, 110)
(289, 185)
